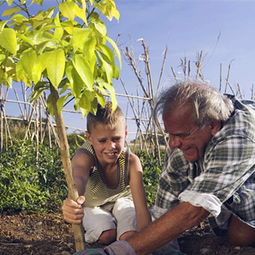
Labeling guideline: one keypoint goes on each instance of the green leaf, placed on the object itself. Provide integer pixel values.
(37, 2)
(100, 27)
(2, 58)
(84, 70)
(9, 2)
(110, 89)
(39, 88)
(115, 47)
(108, 8)
(8, 40)
(67, 9)
(58, 33)
(109, 54)
(81, 13)
(100, 98)
(61, 101)
(106, 67)
(85, 102)
(55, 66)
(11, 11)
(25, 39)
(21, 75)
(19, 19)
(76, 83)
(49, 104)
(80, 35)
(5, 79)
(31, 65)
(2, 25)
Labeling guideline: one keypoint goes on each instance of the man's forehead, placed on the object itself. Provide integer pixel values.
(178, 110)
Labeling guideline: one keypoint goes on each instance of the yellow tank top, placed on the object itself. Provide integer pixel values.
(97, 192)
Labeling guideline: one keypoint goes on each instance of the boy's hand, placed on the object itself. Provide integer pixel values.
(73, 210)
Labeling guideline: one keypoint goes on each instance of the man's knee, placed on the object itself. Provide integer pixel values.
(107, 236)
(240, 233)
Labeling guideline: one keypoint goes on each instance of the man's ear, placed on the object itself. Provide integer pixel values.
(215, 126)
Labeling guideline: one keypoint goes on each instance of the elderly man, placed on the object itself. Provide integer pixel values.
(210, 169)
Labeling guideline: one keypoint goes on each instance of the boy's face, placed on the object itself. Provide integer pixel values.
(107, 141)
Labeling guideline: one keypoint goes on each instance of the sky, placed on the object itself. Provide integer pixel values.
(224, 30)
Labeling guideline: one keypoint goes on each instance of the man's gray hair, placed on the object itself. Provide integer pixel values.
(208, 104)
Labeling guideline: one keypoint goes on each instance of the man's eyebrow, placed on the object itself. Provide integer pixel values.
(179, 134)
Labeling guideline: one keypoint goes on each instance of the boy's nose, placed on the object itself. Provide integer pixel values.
(174, 141)
(111, 144)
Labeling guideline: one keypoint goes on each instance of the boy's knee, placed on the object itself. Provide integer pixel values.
(126, 235)
(107, 236)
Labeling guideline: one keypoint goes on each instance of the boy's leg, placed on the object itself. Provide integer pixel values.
(99, 225)
(124, 212)
(240, 233)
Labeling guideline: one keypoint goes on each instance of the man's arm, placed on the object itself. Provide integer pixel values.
(168, 227)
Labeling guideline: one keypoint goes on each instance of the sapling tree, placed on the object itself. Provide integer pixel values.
(64, 51)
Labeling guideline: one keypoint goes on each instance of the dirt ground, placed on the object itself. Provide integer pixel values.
(46, 234)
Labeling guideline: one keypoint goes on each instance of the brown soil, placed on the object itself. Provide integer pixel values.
(46, 234)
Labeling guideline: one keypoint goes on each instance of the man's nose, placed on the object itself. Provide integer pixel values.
(174, 141)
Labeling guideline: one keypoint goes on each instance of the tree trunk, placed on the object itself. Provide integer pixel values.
(65, 158)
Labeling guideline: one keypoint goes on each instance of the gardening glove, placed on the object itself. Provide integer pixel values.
(97, 251)
(116, 248)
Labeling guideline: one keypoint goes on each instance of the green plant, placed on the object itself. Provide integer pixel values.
(151, 172)
(64, 51)
(31, 183)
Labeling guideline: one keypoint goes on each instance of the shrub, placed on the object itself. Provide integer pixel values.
(151, 172)
(30, 182)
(35, 182)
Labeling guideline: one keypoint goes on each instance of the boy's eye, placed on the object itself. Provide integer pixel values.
(102, 141)
(116, 139)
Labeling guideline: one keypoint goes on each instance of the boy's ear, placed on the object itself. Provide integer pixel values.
(88, 136)
(126, 132)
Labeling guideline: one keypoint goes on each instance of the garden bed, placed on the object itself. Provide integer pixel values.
(46, 234)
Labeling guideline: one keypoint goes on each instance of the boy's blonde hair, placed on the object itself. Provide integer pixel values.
(105, 116)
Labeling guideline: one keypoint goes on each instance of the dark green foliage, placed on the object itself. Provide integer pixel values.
(31, 182)
(151, 172)
(35, 182)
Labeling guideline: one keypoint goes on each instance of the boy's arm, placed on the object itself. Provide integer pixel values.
(81, 165)
(143, 217)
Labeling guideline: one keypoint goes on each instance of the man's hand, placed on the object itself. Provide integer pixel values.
(73, 210)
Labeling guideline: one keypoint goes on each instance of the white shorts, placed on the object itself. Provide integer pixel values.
(120, 216)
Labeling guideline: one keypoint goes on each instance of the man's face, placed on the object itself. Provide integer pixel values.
(190, 138)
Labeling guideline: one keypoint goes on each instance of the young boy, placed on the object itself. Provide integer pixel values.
(108, 178)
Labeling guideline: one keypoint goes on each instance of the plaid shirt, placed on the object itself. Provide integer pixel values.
(225, 175)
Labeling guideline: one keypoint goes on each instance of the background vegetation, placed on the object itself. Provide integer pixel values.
(34, 182)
